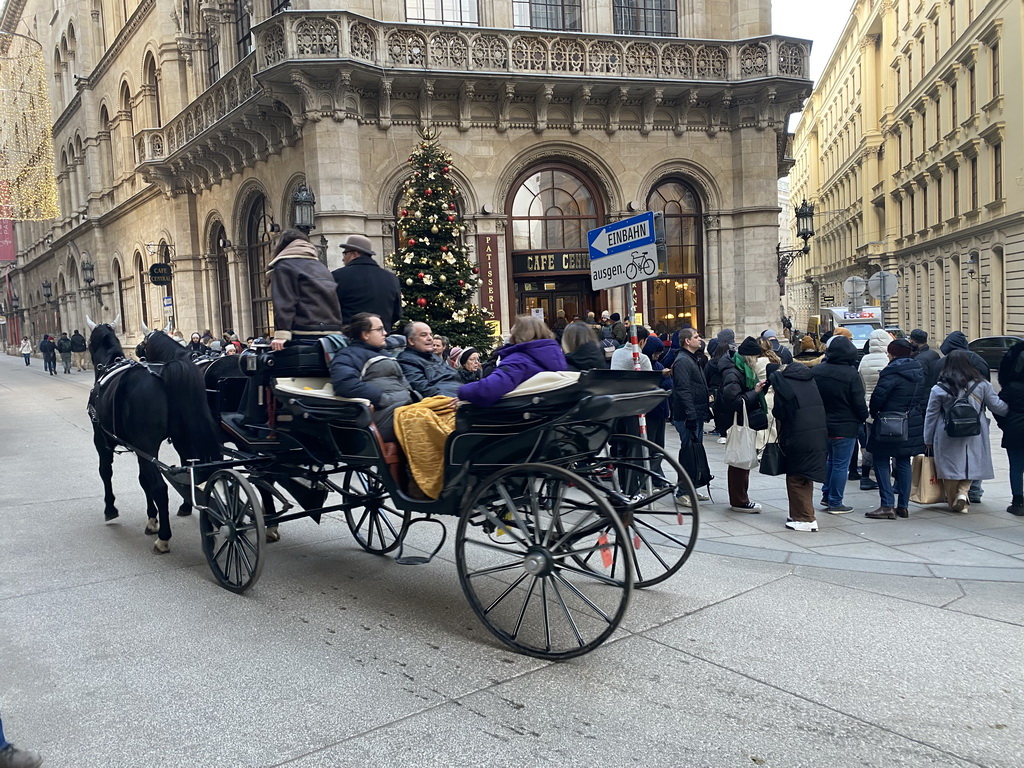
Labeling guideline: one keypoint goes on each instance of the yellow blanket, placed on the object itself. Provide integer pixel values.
(422, 429)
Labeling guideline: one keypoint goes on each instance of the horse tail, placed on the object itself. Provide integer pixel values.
(191, 426)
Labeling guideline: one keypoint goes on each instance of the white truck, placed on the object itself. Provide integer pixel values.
(860, 322)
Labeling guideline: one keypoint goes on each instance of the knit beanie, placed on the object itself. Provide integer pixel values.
(900, 348)
(453, 355)
(726, 336)
(466, 354)
(750, 347)
(842, 331)
(806, 344)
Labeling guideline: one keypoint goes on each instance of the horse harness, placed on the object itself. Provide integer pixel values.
(110, 376)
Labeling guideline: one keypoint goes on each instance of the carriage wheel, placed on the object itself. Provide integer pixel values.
(377, 527)
(231, 530)
(520, 539)
(643, 484)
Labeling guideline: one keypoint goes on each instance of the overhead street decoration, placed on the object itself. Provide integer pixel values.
(623, 252)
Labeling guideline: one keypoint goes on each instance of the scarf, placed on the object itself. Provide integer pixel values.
(749, 379)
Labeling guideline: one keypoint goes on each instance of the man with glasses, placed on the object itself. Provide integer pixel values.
(363, 285)
(426, 372)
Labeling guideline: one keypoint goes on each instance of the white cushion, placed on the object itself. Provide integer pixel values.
(313, 387)
(545, 381)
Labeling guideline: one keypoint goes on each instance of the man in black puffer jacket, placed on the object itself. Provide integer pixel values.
(689, 402)
(842, 392)
(800, 415)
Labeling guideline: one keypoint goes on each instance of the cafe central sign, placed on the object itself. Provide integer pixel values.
(534, 263)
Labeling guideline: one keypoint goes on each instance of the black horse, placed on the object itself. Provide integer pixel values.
(138, 407)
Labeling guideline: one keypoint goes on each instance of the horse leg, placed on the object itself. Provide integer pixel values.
(153, 484)
(106, 454)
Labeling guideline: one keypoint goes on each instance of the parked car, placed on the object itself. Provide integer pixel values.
(992, 349)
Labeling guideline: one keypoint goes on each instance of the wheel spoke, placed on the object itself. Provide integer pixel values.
(494, 569)
(513, 510)
(526, 602)
(566, 612)
(508, 590)
(503, 548)
(576, 591)
(592, 575)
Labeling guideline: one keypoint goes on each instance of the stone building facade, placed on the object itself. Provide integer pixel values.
(183, 129)
(903, 147)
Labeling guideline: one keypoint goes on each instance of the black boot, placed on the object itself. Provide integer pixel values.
(1016, 506)
(866, 483)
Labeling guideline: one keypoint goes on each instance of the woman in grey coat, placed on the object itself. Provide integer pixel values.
(959, 460)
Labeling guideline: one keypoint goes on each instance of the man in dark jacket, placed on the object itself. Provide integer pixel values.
(425, 371)
(957, 340)
(803, 434)
(49, 350)
(78, 350)
(620, 333)
(900, 389)
(842, 392)
(924, 354)
(365, 286)
(689, 403)
(64, 347)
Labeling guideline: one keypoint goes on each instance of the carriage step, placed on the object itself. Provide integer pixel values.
(420, 559)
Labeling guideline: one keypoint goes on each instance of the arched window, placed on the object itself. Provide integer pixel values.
(140, 283)
(549, 212)
(679, 291)
(120, 288)
(153, 93)
(257, 245)
(220, 251)
(106, 147)
(127, 128)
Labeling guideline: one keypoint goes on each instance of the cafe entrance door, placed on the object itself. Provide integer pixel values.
(571, 294)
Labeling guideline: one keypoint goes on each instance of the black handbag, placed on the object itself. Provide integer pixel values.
(773, 460)
(894, 426)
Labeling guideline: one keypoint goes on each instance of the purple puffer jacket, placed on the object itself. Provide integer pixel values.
(517, 363)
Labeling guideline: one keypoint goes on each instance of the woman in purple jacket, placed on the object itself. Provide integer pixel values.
(531, 349)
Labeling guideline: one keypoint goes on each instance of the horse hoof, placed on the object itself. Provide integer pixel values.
(111, 514)
(273, 534)
(152, 526)
(161, 547)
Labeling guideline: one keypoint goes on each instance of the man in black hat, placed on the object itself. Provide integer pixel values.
(365, 286)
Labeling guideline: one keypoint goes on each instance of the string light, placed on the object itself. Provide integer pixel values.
(28, 186)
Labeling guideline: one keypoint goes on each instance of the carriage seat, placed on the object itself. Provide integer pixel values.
(546, 381)
(308, 386)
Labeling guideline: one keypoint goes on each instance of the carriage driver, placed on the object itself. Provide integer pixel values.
(303, 291)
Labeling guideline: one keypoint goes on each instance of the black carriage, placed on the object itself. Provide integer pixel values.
(559, 516)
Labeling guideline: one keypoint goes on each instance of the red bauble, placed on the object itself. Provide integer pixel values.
(412, 241)
(444, 249)
(445, 169)
(451, 218)
(427, 191)
(462, 282)
(451, 206)
(476, 270)
(421, 302)
(420, 275)
(405, 212)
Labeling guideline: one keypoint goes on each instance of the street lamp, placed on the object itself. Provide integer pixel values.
(805, 231)
(47, 290)
(305, 203)
(89, 276)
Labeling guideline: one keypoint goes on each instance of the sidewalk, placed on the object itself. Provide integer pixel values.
(987, 544)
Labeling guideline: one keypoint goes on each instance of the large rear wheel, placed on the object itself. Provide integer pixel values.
(520, 541)
(655, 499)
(231, 530)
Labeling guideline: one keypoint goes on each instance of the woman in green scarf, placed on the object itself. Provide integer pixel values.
(741, 389)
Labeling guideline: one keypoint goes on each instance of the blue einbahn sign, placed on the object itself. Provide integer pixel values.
(623, 252)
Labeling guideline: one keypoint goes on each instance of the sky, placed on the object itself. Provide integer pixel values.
(820, 20)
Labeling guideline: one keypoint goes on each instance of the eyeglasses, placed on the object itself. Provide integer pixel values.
(379, 330)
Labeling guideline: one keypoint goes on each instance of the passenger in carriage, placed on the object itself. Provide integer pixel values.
(531, 349)
(427, 373)
(303, 291)
(365, 369)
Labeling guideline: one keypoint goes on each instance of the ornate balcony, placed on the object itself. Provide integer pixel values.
(308, 66)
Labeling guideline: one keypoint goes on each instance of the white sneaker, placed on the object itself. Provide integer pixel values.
(703, 497)
(960, 504)
(801, 525)
(721, 441)
(750, 507)
(684, 501)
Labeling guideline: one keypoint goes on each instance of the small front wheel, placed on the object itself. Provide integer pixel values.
(519, 544)
(232, 531)
(377, 527)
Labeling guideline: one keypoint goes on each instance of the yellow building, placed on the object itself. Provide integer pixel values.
(902, 147)
(184, 129)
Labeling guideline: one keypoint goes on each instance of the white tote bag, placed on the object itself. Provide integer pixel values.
(741, 444)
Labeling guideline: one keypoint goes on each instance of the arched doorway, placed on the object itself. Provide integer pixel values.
(549, 211)
(678, 293)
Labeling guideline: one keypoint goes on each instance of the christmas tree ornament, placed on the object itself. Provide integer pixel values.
(476, 270)
(443, 279)
(444, 249)
(462, 283)
(434, 230)
(428, 190)
(451, 206)
(404, 213)
(421, 302)
(412, 241)
(418, 214)
(451, 218)
(420, 275)
(408, 281)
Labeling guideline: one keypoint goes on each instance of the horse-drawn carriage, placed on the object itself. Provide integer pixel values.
(557, 517)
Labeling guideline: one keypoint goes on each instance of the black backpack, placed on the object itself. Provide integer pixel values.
(962, 418)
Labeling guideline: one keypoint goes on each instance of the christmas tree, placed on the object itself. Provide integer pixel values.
(439, 282)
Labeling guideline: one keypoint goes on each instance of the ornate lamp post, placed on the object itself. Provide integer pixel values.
(48, 296)
(305, 204)
(805, 231)
(89, 276)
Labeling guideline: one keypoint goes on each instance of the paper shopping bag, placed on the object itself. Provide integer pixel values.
(925, 487)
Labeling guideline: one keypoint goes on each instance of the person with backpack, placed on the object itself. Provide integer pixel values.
(64, 347)
(956, 428)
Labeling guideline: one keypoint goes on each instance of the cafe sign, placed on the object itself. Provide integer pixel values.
(534, 263)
